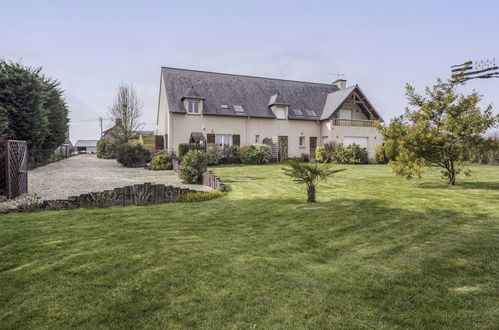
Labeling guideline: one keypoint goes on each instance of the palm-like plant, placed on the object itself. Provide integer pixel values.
(309, 174)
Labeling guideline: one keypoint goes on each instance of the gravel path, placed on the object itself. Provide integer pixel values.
(87, 173)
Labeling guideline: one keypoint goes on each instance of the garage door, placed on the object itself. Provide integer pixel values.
(361, 141)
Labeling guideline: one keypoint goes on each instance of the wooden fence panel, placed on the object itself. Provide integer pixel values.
(13, 168)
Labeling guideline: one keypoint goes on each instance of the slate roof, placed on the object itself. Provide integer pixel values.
(192, 93)
(254, 94)
(277, 99)
(335, 100)
(86, 143)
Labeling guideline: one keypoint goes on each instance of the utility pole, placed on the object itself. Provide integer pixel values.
(100, 123)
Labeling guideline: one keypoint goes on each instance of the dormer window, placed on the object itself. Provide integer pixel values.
(193, 107)
(280, 112)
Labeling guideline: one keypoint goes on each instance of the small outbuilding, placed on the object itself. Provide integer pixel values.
(86, 146)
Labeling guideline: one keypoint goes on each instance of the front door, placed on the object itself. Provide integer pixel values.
(313, 146)
(282, 147)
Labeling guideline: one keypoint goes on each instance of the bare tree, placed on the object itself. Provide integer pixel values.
(126, 112)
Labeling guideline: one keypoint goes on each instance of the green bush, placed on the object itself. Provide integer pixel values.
(339, 154)
(356, 155)
(161, 162)
(198, 196)
(256, 154)
(183, 148)
(107, 149)
(320, 155)
(193, 166)
(214, 155)
(231, 155)
(133, 155)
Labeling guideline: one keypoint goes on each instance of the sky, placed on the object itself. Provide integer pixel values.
(92, 47)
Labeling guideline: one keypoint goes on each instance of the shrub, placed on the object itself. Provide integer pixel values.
(256, 154)
(339, 154)
(161, 162)
(193, 166)
(198, 196)
(214, 155)
(306, 157)
(356, 155)
(320, 155)
(231, 155)
(183, 148)
(29, 203)
(107, 149)
(133, 155)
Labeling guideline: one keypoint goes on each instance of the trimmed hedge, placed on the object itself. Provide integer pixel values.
(133, 155)
(183, 149)
(256, 154)
(107, 149)
(199, 196)
(161, 162)
(193, 166)
(339, 154)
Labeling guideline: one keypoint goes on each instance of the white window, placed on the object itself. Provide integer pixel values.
(222, 140)
(193, 107)
(280, 112)
(257, 139)
(302, 142)
(345, 114)
(325, 140)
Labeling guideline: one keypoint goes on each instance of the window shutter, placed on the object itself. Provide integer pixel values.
(210, 138)
(236, 139)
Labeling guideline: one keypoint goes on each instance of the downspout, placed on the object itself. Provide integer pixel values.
(247, 120)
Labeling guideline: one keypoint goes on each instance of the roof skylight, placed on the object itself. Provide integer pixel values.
(311, 113)
(238, 108)
(224, 107)
(297, 112)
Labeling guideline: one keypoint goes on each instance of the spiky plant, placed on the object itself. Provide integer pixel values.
(309, 174)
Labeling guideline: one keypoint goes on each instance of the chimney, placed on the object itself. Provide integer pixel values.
(340, 83)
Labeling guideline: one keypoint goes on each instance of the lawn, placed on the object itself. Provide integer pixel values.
(376, 251)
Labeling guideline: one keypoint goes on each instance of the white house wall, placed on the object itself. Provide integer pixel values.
(184, 124)
(338, 133)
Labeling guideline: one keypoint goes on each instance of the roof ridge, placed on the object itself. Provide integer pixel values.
(248, 76)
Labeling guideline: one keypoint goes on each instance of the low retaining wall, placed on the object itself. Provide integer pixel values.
(211, 180)
(139, 194)
(208, 179)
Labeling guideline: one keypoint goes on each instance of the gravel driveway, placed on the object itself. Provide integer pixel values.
(87, 173)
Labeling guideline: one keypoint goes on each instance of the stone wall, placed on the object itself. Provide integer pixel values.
(139, 194)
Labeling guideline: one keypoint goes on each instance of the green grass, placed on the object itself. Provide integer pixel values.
(377, 251)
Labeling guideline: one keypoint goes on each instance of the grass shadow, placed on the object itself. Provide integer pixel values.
(459, 185)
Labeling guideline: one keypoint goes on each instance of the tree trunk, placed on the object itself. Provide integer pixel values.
(311, 194)
(452, 174)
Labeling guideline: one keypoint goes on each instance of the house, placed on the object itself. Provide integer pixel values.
(293, 116)
(110, 132)
(86, 146)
